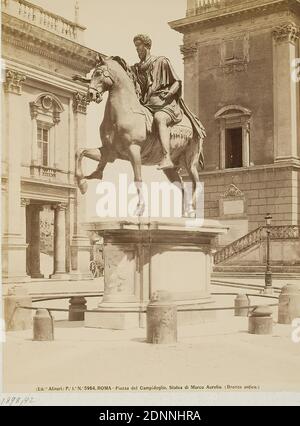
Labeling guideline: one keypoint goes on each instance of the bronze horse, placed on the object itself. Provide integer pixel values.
(127, 133)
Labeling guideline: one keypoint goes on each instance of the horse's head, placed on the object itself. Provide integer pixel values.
(101, 81)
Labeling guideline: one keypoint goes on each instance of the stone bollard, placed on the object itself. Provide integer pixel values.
(161, 319)
(241, 303)
(17, 318)
(261, 320)
(77, 308)
(43, 327)
(289, 304)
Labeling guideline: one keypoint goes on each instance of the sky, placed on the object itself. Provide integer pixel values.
(110, 28)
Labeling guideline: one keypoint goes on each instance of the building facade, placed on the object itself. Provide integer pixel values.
(242, 59)
(43, 124)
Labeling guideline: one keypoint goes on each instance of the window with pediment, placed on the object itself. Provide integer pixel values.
(234, 125)
(45, 114)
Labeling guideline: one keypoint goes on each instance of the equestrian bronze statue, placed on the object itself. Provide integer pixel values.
(145, 121)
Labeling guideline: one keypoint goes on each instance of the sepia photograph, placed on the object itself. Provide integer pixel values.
(150, 204)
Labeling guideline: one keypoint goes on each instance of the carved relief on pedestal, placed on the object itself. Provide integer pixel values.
(119, 270)
(13, 81)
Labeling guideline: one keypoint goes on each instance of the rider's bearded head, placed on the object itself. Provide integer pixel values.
(142, 43)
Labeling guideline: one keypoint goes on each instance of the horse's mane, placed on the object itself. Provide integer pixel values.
(129, 71)
(121, 62)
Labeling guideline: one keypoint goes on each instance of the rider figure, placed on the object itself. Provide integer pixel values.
(160, 91)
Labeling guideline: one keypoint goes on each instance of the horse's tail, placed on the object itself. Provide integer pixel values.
(201, 157)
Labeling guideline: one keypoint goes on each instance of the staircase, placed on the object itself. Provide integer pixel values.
(285, 234)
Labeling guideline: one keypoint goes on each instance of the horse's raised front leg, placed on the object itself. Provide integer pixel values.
(94, 154)
(135, 159)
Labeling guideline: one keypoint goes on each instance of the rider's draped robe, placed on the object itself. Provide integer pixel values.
(155, 76)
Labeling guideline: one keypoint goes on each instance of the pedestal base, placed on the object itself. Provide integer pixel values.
(143, 257)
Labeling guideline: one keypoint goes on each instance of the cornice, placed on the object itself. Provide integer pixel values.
(239, 12)
(43, 43)
(35, 74)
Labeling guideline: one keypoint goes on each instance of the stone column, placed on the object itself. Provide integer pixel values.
(191, 73)
(60, 242)
(34, 146)
(34, 264)
(80, 246)
(14, 245)
(285, 93)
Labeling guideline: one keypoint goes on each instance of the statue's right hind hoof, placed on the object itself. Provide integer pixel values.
(83, 186)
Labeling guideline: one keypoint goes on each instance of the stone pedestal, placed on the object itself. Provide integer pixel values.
(16, 318)
(142, 257)
(80, 257)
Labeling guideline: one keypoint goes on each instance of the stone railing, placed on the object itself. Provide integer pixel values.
(39, 171)
(199, 7)
(256, 237)
(40, 17)
(196, 7)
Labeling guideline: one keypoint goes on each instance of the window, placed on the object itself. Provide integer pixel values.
(234, 50)
(45, 114)
(234, 142)
(43, 145)
(234, 148)
(235, 53)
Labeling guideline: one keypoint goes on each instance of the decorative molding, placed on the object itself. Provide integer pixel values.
(240, 47)
(60, 207)
(236, 9)
(230, 110)
(41, 171)
(233, 192)
(34, 110)
(80, 102)
(56, 117)
(188, 50)
(25, 202)
(288, 32)
(235, 66)
(46, 103)
(13, 81)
